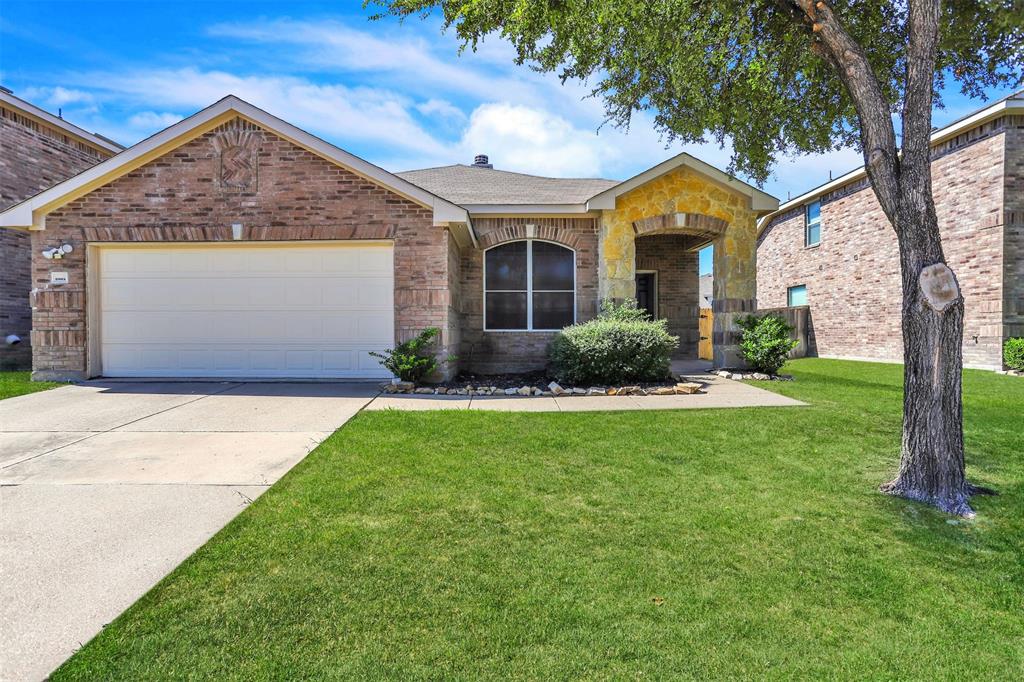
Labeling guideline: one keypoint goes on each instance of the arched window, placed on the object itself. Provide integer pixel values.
(529, 285)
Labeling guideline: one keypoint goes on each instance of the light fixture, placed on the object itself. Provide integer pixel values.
(57, 252)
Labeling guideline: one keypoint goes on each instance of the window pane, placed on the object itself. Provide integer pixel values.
(506, 267)
(798, 295)
(813, 234)
(506, 311)
(552, 311)
(813, 212)
(552, 266)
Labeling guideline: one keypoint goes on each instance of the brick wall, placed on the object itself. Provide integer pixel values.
(33, 157)
(1013, 234)
(678, 284)
(179, 197)
(498, 352)
(853, 276)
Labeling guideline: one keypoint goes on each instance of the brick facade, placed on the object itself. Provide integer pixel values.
(298, 196)
(33, 157)
(853, 275)
(497, 352)
(678, 284)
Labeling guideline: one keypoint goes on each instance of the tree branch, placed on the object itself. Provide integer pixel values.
(878, 137)
(923, 29)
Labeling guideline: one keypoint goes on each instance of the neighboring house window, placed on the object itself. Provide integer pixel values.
(812, 221)
(797, 295)
(529, 286)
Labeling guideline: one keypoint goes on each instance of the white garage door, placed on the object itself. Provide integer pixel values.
(246, 311)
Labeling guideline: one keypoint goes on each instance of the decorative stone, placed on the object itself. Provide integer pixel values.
(628, 390)
(664, 390)
(688, 388)
(424, 390)
(391, 388)
(613, 391)
(555, 388)
(524, 390)
(760, 376)
(724, 374)
(738, 377)
(462, 391)
(405, 386)
(637, 390)
(510, 391)
(578, 391)
(596, 390)
(547, 393)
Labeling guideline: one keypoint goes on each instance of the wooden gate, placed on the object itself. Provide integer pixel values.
(704, 348)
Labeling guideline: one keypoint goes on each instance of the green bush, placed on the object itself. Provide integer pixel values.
(765, 343)
(622, 345)
(1013, 354)
(412, 360)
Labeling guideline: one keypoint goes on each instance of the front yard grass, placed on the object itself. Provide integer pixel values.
(694, 544)
(20, 383)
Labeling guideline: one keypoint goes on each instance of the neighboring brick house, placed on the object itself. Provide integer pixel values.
(233, 244)
(833, 250)
(37, 150)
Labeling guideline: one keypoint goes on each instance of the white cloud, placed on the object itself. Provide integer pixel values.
(152, 121)
(440, 108)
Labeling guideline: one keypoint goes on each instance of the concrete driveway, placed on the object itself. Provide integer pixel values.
(105, 487)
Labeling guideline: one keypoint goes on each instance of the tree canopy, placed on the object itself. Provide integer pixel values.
(750, 74)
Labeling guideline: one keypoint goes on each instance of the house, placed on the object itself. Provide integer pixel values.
(37, 150)
(832, 248)
(233, 244)
(705, 288)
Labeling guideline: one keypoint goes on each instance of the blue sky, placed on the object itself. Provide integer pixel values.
(399, 95)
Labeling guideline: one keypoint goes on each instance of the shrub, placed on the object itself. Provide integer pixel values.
(1013, 354)
(627, 311)
(620, 346)
(412, 360)
(765, 343)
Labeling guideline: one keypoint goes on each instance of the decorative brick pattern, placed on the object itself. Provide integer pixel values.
(498, 352)
(176, 198)
(698, 224)
(853, 276)
(33, 157)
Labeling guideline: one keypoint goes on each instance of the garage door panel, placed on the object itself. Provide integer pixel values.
(244, 311)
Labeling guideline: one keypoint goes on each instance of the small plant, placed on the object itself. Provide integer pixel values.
(621, 345)
(412, 360)
(765, 343)
(1013, 354)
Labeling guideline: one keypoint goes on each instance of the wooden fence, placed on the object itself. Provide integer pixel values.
(798, 317)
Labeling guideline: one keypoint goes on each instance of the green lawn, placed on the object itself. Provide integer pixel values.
(20, 383)
(713, 544)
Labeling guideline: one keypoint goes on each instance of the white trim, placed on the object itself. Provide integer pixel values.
(59, 123)
(529, 291)
(23, 215)
(1010, 105)
(759, 201)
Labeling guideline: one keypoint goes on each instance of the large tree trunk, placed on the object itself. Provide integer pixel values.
(932, 458)
(932, 461)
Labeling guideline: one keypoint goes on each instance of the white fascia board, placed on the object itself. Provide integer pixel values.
(1010, 105)
(23, 214)
(59, 123)
(525, 209)
(759, 200)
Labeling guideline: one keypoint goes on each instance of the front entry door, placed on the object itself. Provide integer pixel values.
(647, 294)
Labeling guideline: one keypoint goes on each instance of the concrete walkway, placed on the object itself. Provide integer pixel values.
(105, 487)
(718, 392)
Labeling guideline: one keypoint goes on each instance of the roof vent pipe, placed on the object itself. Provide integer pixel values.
(481, 161)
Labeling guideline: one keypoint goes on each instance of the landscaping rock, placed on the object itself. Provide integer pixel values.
(578, 391)
(510, 391)
(555, 388)
(595, 390)
(404, 386)
(525, 390)
(424, 391)
(688, 388)
(725, 374)
(759, 376)
(628, 390)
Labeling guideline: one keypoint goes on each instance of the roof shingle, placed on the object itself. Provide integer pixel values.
(462, 184)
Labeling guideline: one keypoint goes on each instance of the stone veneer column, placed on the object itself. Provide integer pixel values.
(616, 258)
(735, 289)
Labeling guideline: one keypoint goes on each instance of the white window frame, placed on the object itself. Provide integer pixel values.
(529, 286)
(807, 224)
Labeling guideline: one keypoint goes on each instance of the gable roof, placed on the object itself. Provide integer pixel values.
(760, 201)
(1011, 104)
(80, 134)
(477, 186)
(31, 213)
